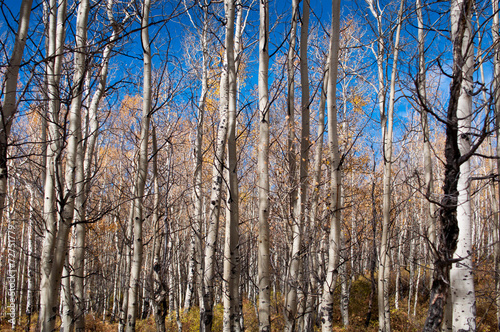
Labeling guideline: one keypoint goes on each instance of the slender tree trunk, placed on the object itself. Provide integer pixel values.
(66, 299)
(313, 218)
(206, 311)
(30, 295)
(294, 286)
(335, 175)
(159, 292)
(231, 250)
(387, 129)
(496, 96)
(198, 182)
(430, 208)
(448, 211)
(142, 171)
(264, 265)
(461, 274)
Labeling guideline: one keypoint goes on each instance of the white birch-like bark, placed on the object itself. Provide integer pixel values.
(264, 265)
(231, 251)
(206, 311)
(313, 218)
(386, 119)
(463, 296)
(430, 207)
(142, 171)
(294, 282)
(9, 106)
(195, 244)
(122, 320)
(66, 299)
(30, 295)
(48, 290)
(291, 140)
(83, 177)
(73, 154)
(159, 292)
(326, 312)
(496, 98)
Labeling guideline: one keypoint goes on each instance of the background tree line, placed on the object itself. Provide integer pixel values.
(250, 165)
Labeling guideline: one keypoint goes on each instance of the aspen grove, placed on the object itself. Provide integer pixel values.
(243, 165)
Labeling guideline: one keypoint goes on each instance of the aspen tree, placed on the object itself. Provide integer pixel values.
(55, 243)
(290, 105)
(142, 171)
(294, 282)
(83, 177)
(206, 310)
(430, 208)
(264, 282)
(231, 254)
(313, 218)
(195, 244)
(326, 312)
(496, 99)
(386, 122)
(461, 274)
(449, 232)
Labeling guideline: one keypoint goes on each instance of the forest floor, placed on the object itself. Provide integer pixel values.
(358, 312)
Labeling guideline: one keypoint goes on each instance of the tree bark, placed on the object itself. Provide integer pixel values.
(142, 171)
(335, 175)
(386, 121)
(448, 235)
(231, 250)
(294, 282)
(496, 99)
(206, 311)
(264, 265)
(195, 243)
(461, 274)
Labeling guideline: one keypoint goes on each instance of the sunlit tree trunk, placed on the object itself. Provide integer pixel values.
(294, 282)
(430, 207)
(449, 232)
(30, 295)
(195, 244)
(386, 121)
(326, 312)
(310, 311)
(206, 310)
(158, 270)
(264, 282)
(83, 177)
(142, 171)
(231, 250)
(496, 96)
(290, 102)
(461, 274)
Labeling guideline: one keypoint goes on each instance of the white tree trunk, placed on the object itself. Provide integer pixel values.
(206, 310)
(430, 208)
(496, 98)
(264, 282)
(326, 312)
(195, 244)
(142, 171)
(231, 254)
(294, 282)
(461, 274)
(386, 119)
